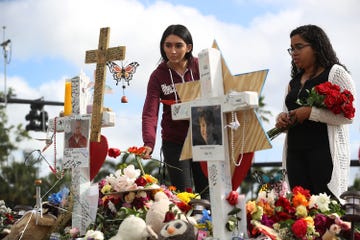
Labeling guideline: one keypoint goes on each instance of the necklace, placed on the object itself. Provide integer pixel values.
(180, 67)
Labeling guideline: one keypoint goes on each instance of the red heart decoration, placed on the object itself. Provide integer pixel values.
(240, 171)
(98, 153)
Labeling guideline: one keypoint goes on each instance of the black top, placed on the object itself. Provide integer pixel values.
(309, 134)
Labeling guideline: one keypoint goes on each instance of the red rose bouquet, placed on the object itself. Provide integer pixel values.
(328, 95)
(325, 95)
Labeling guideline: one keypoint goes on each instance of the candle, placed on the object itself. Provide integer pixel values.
(67, 101)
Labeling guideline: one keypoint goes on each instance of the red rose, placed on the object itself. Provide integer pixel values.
(349, 110)
(114, 152)
(140, 181)
(233, 198)
(301, 190)
(139, 202)
(336, 109)
(323, 88)
(348, 95)
(299, 228)
(335, 87)
(184, 207)
(330, 100)
(169, 216)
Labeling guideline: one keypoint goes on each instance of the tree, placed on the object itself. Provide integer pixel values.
(14, 175)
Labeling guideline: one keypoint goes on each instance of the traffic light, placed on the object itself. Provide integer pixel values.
(37, 117)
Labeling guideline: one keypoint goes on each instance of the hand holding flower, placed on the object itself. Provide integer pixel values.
(147, 153)
(300, 114)
(283, 120)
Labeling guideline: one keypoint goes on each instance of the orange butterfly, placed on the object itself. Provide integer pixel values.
(120, 72)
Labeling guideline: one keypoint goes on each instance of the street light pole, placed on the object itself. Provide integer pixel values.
(4, 45)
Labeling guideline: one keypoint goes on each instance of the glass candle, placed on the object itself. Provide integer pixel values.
(67, 101)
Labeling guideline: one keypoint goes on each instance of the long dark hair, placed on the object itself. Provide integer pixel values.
(180, 31)
(324, 52)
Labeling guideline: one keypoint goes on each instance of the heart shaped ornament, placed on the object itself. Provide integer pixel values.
(98, 153)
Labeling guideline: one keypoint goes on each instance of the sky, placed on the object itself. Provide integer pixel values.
(49, 39)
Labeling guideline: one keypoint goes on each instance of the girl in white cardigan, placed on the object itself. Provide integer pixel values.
(316, 151)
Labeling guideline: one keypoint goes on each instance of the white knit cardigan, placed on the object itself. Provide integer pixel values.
(338, 132)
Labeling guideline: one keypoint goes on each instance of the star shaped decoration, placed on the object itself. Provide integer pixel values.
(250, 136)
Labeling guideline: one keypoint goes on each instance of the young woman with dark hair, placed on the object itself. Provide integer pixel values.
(317, 148)
(177, 66)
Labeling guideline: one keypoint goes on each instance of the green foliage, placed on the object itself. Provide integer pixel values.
(313, 99)
(262, 111)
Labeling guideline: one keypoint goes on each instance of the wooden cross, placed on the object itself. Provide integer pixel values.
(100, 57)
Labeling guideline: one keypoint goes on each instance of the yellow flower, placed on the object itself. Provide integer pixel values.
(150, 179)
(258, 213)
(251, 207)
(310, 221)
(301, 211)
(186, 196)
(106, 189)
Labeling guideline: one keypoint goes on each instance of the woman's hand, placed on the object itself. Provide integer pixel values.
(147, 154)
(300, 114)
(283, 120)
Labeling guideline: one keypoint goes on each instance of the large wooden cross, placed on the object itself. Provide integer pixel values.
(100, 56)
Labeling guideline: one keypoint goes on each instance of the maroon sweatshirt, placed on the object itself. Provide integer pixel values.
(161, 88)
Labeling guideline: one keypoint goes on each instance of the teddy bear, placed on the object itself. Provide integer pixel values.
(32, 226)
(134, 228)
(177, 230)
(156, 214)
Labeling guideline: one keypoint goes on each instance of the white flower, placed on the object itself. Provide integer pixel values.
(94, 235)
(124, 180)
(268, 197)
(320, 201)
(112, 207)
(131, 172)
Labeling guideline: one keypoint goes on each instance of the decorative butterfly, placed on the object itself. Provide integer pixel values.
(122, 73)
(270, 182)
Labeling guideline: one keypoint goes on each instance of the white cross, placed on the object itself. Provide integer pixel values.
(77, 159)
(219, 168)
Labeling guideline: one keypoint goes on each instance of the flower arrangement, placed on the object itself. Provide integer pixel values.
(233, 220)
(296, 215)
(6, 218)
(325, 95)
(130, 191)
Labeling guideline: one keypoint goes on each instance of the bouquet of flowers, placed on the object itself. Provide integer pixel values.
(325, 95)
(130, 191)
(296, 215)
(6, 219)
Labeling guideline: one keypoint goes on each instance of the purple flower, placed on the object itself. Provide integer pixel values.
(267, 221)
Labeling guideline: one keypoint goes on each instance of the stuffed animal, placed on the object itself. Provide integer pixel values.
(156, 214)
(32, 226)
(133, 228)
(177, 230)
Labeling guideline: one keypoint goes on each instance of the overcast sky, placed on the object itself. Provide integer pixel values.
(49, 39)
